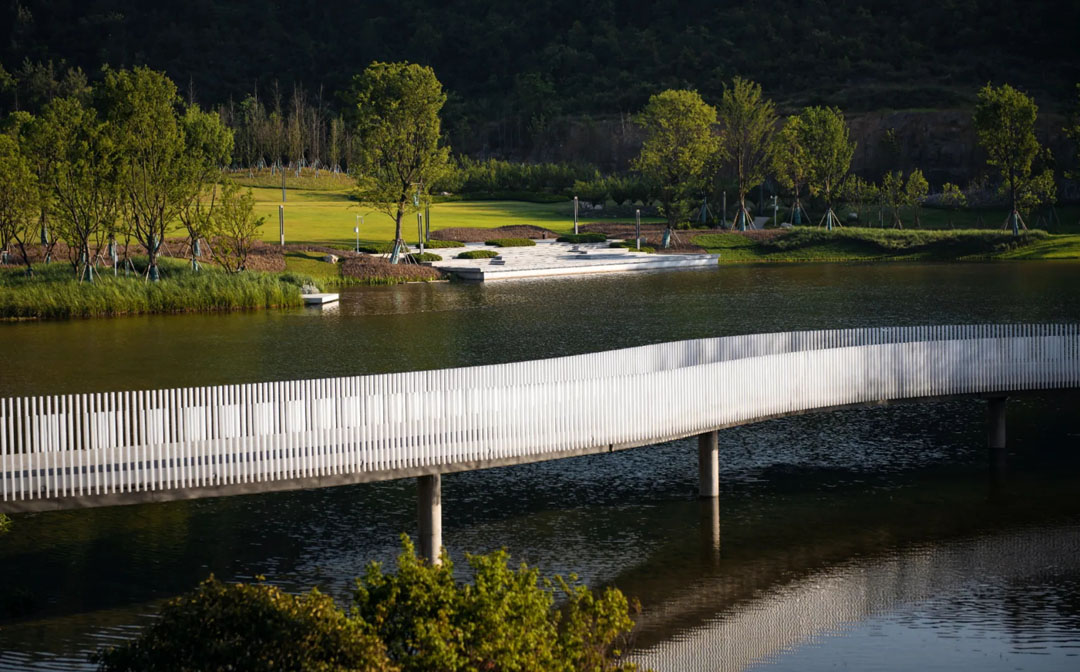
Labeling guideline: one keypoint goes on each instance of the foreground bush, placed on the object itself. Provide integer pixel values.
(632, 246)
(582, 238)
(426, 256)
(510, 242)
(252, 627)
(418, 619)
(437, 244)
(478, 254)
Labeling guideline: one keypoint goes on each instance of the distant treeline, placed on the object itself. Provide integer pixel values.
(513, 69)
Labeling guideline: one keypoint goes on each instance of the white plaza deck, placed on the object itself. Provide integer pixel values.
(550, 258)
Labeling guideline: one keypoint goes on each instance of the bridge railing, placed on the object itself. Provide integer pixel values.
(87, 445)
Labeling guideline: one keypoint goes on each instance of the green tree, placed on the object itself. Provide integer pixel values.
(679, 150)
(396, 115)
(915, 190)
(594, 192)
(953, 198)
(824, 135)
(254, 627)
(749, 124)
(233, 227)
(1073, 131)
(80, 160)
(153, 164)
(18, 198)
(893, 195)
(859, 193)
(208, 146)
(791, 163)
(1005, 126)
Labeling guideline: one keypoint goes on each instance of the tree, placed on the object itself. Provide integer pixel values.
(679, 150)
(208, 146)
(233, 227)
(893, 195)
(749, 124)
(791, 163)
(1005, 126)
(154, 170)
(824, 136)
(396, 115)
(858, 192)
(18, 198)
(594, 192)
(1073, 131)
(253, 627)
(915, 191)
(81, 174)
(953, 199)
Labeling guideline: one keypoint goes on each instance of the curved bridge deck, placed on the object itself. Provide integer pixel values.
(72, 451)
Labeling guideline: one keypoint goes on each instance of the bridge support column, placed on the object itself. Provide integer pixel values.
(429, 513)
(708, 465)
(995, 423)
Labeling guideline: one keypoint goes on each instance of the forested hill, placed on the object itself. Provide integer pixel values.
(594, 56)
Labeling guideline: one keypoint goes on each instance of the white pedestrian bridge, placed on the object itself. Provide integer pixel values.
(99, 449)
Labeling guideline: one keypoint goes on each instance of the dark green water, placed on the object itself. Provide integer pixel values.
(884, 516)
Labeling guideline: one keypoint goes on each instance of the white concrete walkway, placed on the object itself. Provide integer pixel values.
(549, 258)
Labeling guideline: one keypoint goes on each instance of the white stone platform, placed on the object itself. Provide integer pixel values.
(549, 258)
(319, 299)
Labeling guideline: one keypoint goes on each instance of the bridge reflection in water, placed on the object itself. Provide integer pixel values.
(825, 602)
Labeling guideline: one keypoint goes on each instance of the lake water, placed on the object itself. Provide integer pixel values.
(872, 539)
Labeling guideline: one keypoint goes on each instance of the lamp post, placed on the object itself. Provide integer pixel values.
(281, 223)
(637, 227)
(575, 216)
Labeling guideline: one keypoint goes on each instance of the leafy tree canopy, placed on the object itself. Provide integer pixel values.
(395, 111)
(679, 150)
(1005, 125)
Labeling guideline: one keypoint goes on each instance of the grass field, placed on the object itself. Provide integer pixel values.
(326, 216)
(866, 244)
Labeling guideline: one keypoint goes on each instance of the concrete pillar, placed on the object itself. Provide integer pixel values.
(995, 423)
(708, 465)
(429, 513)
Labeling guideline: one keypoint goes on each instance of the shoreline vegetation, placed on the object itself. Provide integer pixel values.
(281, 274)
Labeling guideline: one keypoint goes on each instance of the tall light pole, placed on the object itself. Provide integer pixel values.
(637, 227)
(575, 215)
(281, 223)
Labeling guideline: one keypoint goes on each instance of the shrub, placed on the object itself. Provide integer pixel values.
(437, 244)
(426, 256)
(252, 627)
(478, 254)
(416, 619)
(632, 246)
(510, 242)
(582, 238)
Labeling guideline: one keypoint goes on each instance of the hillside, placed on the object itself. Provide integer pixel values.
(527, 63)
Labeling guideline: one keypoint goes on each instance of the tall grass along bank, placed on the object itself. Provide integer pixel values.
(54, 294)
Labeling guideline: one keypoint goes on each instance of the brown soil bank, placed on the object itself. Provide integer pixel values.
(376, 270)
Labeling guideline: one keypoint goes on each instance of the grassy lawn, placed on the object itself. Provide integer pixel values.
(864, 244)
(327, 216)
